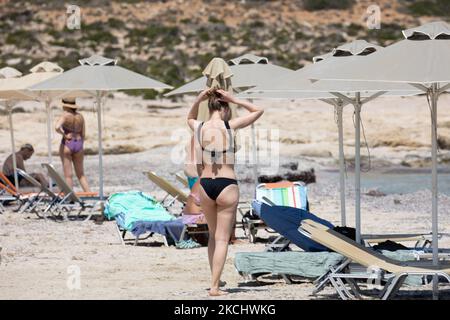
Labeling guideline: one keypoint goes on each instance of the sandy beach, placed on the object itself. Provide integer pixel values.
(36, 254)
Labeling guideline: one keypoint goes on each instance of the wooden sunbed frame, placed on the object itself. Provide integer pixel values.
(392, 272)
(68, 199)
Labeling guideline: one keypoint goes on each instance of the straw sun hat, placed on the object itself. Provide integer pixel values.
(69, 103)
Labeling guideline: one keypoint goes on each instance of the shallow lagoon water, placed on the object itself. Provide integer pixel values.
(395, 181)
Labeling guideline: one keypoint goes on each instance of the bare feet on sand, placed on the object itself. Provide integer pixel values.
(217, 292)
(237, 241)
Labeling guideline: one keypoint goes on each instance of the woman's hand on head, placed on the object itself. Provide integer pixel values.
(204, 95)
(226, 96)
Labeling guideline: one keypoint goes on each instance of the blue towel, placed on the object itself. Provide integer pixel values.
(171, 229)
(287, 220)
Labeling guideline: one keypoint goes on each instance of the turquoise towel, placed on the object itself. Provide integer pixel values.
(133, 206)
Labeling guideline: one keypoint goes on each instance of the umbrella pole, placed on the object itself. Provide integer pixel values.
(49, 138)
(100, 147)
(434, 185)
(339, 110)
(357, 106)
(254, 156)
(13, 145)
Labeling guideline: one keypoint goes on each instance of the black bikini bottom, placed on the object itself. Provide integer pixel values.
(213, 187)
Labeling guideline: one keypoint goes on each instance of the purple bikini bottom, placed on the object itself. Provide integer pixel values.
(74, 145)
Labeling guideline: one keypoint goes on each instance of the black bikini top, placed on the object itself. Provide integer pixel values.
(231, 148)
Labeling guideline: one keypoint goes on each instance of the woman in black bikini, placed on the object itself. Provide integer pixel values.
(219, 192)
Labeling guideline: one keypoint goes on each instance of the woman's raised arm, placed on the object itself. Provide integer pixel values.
(193, 112)
(243, 121)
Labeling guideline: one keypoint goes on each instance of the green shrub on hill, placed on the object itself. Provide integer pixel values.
(314, 5)
(115, 23)
(97, 33)
(354, 29)
(22, 39)
(100, 37)
(440, 8)
(154, 34)
(387, 34)
(67, 61)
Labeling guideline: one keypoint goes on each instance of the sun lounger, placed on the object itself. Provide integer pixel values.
(308, 265)
(292, 194)
(140, 213)
(172, 193)
(182, 179)
(4, 189)
(421, 240)
(4, 199)
(70, 200)
(24, 199)
(44, 193)
(286, 221)
(391, 272)
(171, 231)
(283, 219)
(6, 184)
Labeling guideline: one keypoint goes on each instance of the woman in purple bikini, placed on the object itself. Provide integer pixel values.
(71, 126)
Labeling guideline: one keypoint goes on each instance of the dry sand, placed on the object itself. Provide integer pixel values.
(36, 254)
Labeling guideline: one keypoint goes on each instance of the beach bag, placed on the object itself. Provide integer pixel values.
(389, 245)
(346, 231)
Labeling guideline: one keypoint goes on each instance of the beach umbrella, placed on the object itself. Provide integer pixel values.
(337, 93)
(6, 75)
(16, 89)
(247, 71)
(421, 60)
(96, 76)
(218, 75)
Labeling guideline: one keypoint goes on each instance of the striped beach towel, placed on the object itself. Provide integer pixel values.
(289, 194)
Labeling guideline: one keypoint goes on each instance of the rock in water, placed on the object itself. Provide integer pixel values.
(307, 177)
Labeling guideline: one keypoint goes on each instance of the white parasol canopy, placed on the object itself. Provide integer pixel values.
(422, 61)
(97, 75)
(297, 85)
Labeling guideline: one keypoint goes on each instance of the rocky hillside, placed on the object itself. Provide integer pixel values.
(173, 40)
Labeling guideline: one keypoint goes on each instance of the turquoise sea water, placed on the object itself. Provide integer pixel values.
(396, 182)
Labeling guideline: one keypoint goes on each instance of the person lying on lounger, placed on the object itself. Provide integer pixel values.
(192, 211)
(25, 153)
(190, 165)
